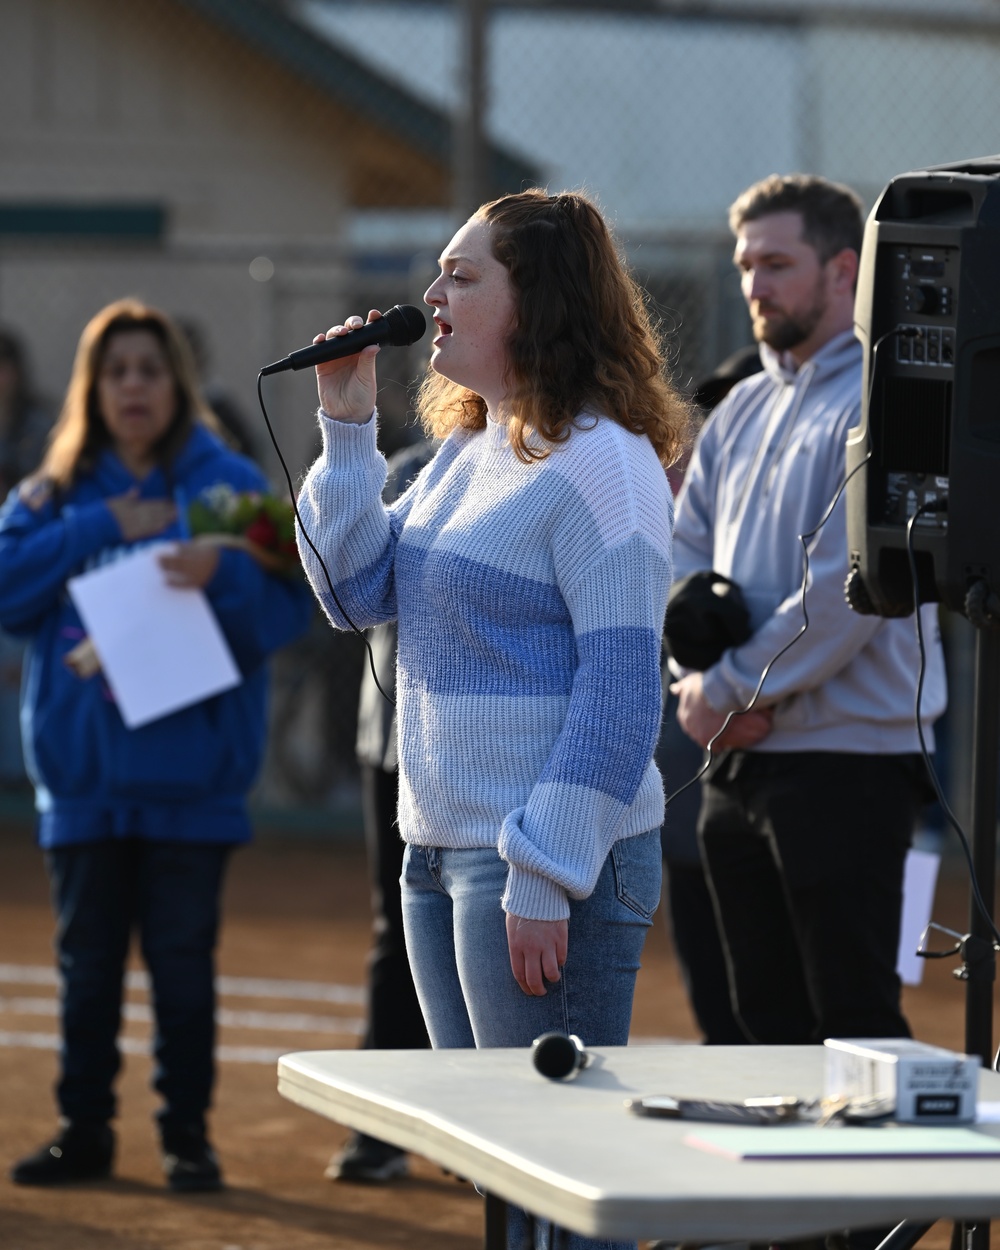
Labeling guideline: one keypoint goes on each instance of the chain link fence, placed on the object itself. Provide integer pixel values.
(262, 168)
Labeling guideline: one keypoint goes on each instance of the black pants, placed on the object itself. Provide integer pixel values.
(700, 954)
(805, 854)
(395, 1021)
(170, 893)
(692, 916)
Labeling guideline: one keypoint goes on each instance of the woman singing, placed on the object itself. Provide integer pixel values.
(528, 568)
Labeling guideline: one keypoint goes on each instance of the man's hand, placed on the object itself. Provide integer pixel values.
(538, 949)
(702, 722)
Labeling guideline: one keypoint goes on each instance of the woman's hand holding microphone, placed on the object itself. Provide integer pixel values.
(347, 387)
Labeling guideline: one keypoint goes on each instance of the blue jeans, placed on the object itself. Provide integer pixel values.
(457, 942)
(169, 892)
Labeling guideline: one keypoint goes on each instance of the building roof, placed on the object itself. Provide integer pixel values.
(268, 27)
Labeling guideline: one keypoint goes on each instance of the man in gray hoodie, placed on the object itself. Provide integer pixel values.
(811, 799)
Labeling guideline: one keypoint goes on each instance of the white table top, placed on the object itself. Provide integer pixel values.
(570, 1152)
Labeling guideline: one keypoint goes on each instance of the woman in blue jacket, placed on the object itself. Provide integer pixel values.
(136, 824)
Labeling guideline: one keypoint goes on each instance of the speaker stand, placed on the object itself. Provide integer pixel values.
(978, 969)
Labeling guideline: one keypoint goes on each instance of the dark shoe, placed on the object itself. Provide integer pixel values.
(190, 1163)
(367, 1159)
(81, 1152)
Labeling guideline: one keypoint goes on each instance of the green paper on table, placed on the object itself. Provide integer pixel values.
(807, 1141)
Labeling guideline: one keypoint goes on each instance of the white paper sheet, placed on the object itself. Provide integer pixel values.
(160, 647)
(919, 881)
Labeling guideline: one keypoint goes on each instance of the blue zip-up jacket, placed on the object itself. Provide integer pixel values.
(183, 777)
(766, 468)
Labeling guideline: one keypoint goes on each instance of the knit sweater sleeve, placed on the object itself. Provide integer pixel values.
(346, 536)
(599, 772)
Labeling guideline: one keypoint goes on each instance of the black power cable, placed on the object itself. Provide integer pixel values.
(940, 506)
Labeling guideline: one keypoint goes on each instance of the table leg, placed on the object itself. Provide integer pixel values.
(496, 1228)
(495, 1233)
(971, 1235)
(904, 1236)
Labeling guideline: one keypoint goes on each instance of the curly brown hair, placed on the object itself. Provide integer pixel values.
(79, 435)
(582, 339)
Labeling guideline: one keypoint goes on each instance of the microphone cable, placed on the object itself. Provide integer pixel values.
(312, 546)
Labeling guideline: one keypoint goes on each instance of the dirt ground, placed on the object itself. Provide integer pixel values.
(296, 913)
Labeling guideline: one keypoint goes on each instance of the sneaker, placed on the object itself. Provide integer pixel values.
(367, 1159)
(81, 1152)
(189, 1162)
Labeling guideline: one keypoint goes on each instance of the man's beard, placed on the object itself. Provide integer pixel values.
(784, 333)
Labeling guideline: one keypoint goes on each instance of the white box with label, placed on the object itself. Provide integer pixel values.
(926, 1084)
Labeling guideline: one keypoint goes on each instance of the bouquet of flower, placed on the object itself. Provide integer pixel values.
(262, 525)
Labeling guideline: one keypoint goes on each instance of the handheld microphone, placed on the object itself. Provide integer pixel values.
(399, 327)
(559, 1055)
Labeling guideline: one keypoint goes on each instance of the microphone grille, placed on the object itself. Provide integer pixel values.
(555, 1056)
(406, 324)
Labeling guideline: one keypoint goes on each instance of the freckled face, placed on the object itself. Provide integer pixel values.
(136, 393)
(474, 306)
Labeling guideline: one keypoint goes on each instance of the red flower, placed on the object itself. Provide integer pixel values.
(263, 532)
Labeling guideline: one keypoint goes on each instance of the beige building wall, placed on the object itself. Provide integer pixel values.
(144, 102)
(108, 99)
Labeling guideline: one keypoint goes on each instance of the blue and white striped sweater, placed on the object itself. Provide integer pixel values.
(530, 600)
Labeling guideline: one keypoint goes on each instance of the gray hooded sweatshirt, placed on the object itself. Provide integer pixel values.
(765, 470)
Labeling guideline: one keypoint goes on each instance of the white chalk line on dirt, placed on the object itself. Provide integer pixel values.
(237, 987)
(136, 1046)
(280, 1021)
(246, 987)
(249, 987)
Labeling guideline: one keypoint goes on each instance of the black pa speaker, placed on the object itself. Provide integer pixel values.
(928, 315)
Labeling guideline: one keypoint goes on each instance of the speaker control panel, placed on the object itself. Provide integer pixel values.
(923, 279)
(933, 346)
(927, 280)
